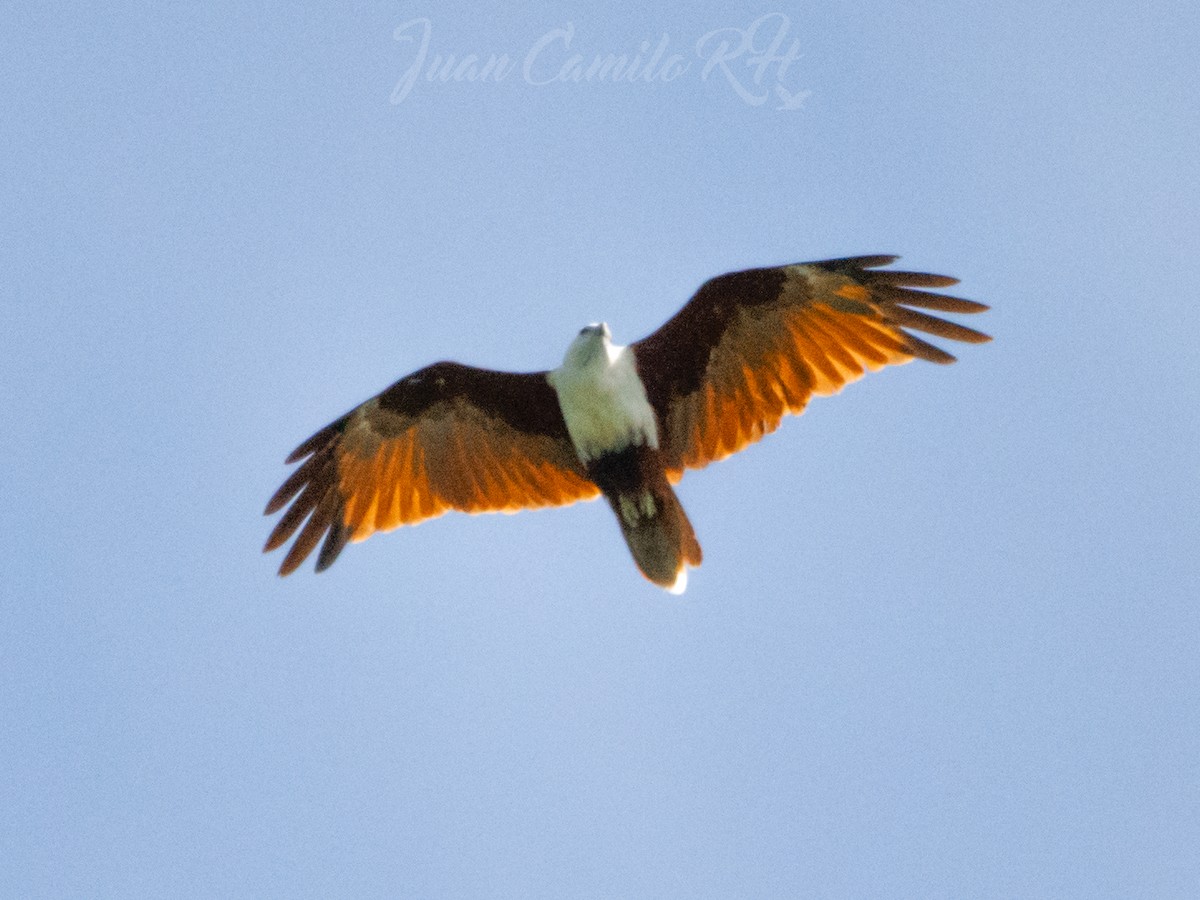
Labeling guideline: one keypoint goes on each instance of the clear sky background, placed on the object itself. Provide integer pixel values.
(945, 640)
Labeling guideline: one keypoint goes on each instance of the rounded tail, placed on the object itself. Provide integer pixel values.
(658, 533)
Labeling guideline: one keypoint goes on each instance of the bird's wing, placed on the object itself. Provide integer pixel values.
(447, 437)
(753, 346)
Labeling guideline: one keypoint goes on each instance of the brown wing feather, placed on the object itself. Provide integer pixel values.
(446, 437)
(751, 347)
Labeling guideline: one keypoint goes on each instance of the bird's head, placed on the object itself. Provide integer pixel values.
(598, 330)
(590, 344)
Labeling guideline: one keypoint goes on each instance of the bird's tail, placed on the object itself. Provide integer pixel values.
(659, 535)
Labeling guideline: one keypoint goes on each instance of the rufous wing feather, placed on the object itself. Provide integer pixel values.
(449, 437)
(751, 347)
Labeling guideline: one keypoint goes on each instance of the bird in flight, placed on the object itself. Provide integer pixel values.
(624, 421)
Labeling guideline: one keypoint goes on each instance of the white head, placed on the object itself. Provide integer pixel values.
(591, 344)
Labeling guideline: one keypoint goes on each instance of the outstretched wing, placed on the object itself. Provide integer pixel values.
(753, 346)
(447, 437)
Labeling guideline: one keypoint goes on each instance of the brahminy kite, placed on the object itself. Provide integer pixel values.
(622, 421)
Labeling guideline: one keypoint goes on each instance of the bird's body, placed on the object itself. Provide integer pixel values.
(622, 421)
(615, 434)
(602, 398)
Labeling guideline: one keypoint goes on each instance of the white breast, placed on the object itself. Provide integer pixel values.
(604, 401)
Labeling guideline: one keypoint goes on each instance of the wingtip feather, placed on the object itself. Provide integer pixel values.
(927, 351)
(872, 261)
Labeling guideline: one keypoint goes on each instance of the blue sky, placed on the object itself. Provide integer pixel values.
(944, 642)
